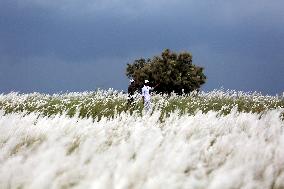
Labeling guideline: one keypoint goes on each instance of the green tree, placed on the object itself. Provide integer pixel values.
(174, 72)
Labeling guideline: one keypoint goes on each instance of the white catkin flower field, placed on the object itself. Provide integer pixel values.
(128, 151)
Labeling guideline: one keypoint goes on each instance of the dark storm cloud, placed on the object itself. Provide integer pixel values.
(239, 43)
(51, 75)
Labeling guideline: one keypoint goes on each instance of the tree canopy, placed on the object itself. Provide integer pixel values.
(174, 72)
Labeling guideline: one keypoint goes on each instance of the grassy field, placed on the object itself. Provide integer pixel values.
(220, 139)
(112, 103)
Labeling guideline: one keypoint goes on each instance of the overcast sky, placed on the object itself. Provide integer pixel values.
(70, 45)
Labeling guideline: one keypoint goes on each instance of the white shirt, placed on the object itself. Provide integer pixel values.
(146, 92)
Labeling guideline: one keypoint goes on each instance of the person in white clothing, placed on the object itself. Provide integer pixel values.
(146, 95)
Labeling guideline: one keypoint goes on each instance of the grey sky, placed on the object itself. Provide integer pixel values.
(71, 45)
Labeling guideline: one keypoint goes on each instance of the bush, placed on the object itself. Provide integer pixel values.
(173, 72)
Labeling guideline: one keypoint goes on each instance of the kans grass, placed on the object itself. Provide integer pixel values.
(112, 103)
(220, 139)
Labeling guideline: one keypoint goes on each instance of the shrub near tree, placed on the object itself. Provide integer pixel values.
(174, 72)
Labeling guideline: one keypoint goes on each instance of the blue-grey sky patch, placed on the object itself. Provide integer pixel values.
(52, 46)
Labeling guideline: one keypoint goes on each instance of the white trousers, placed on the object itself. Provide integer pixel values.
(147, 105)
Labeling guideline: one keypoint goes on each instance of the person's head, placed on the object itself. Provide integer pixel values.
(146, 82)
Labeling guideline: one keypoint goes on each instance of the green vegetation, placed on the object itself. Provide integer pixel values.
(109, 104)
(173, 72)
